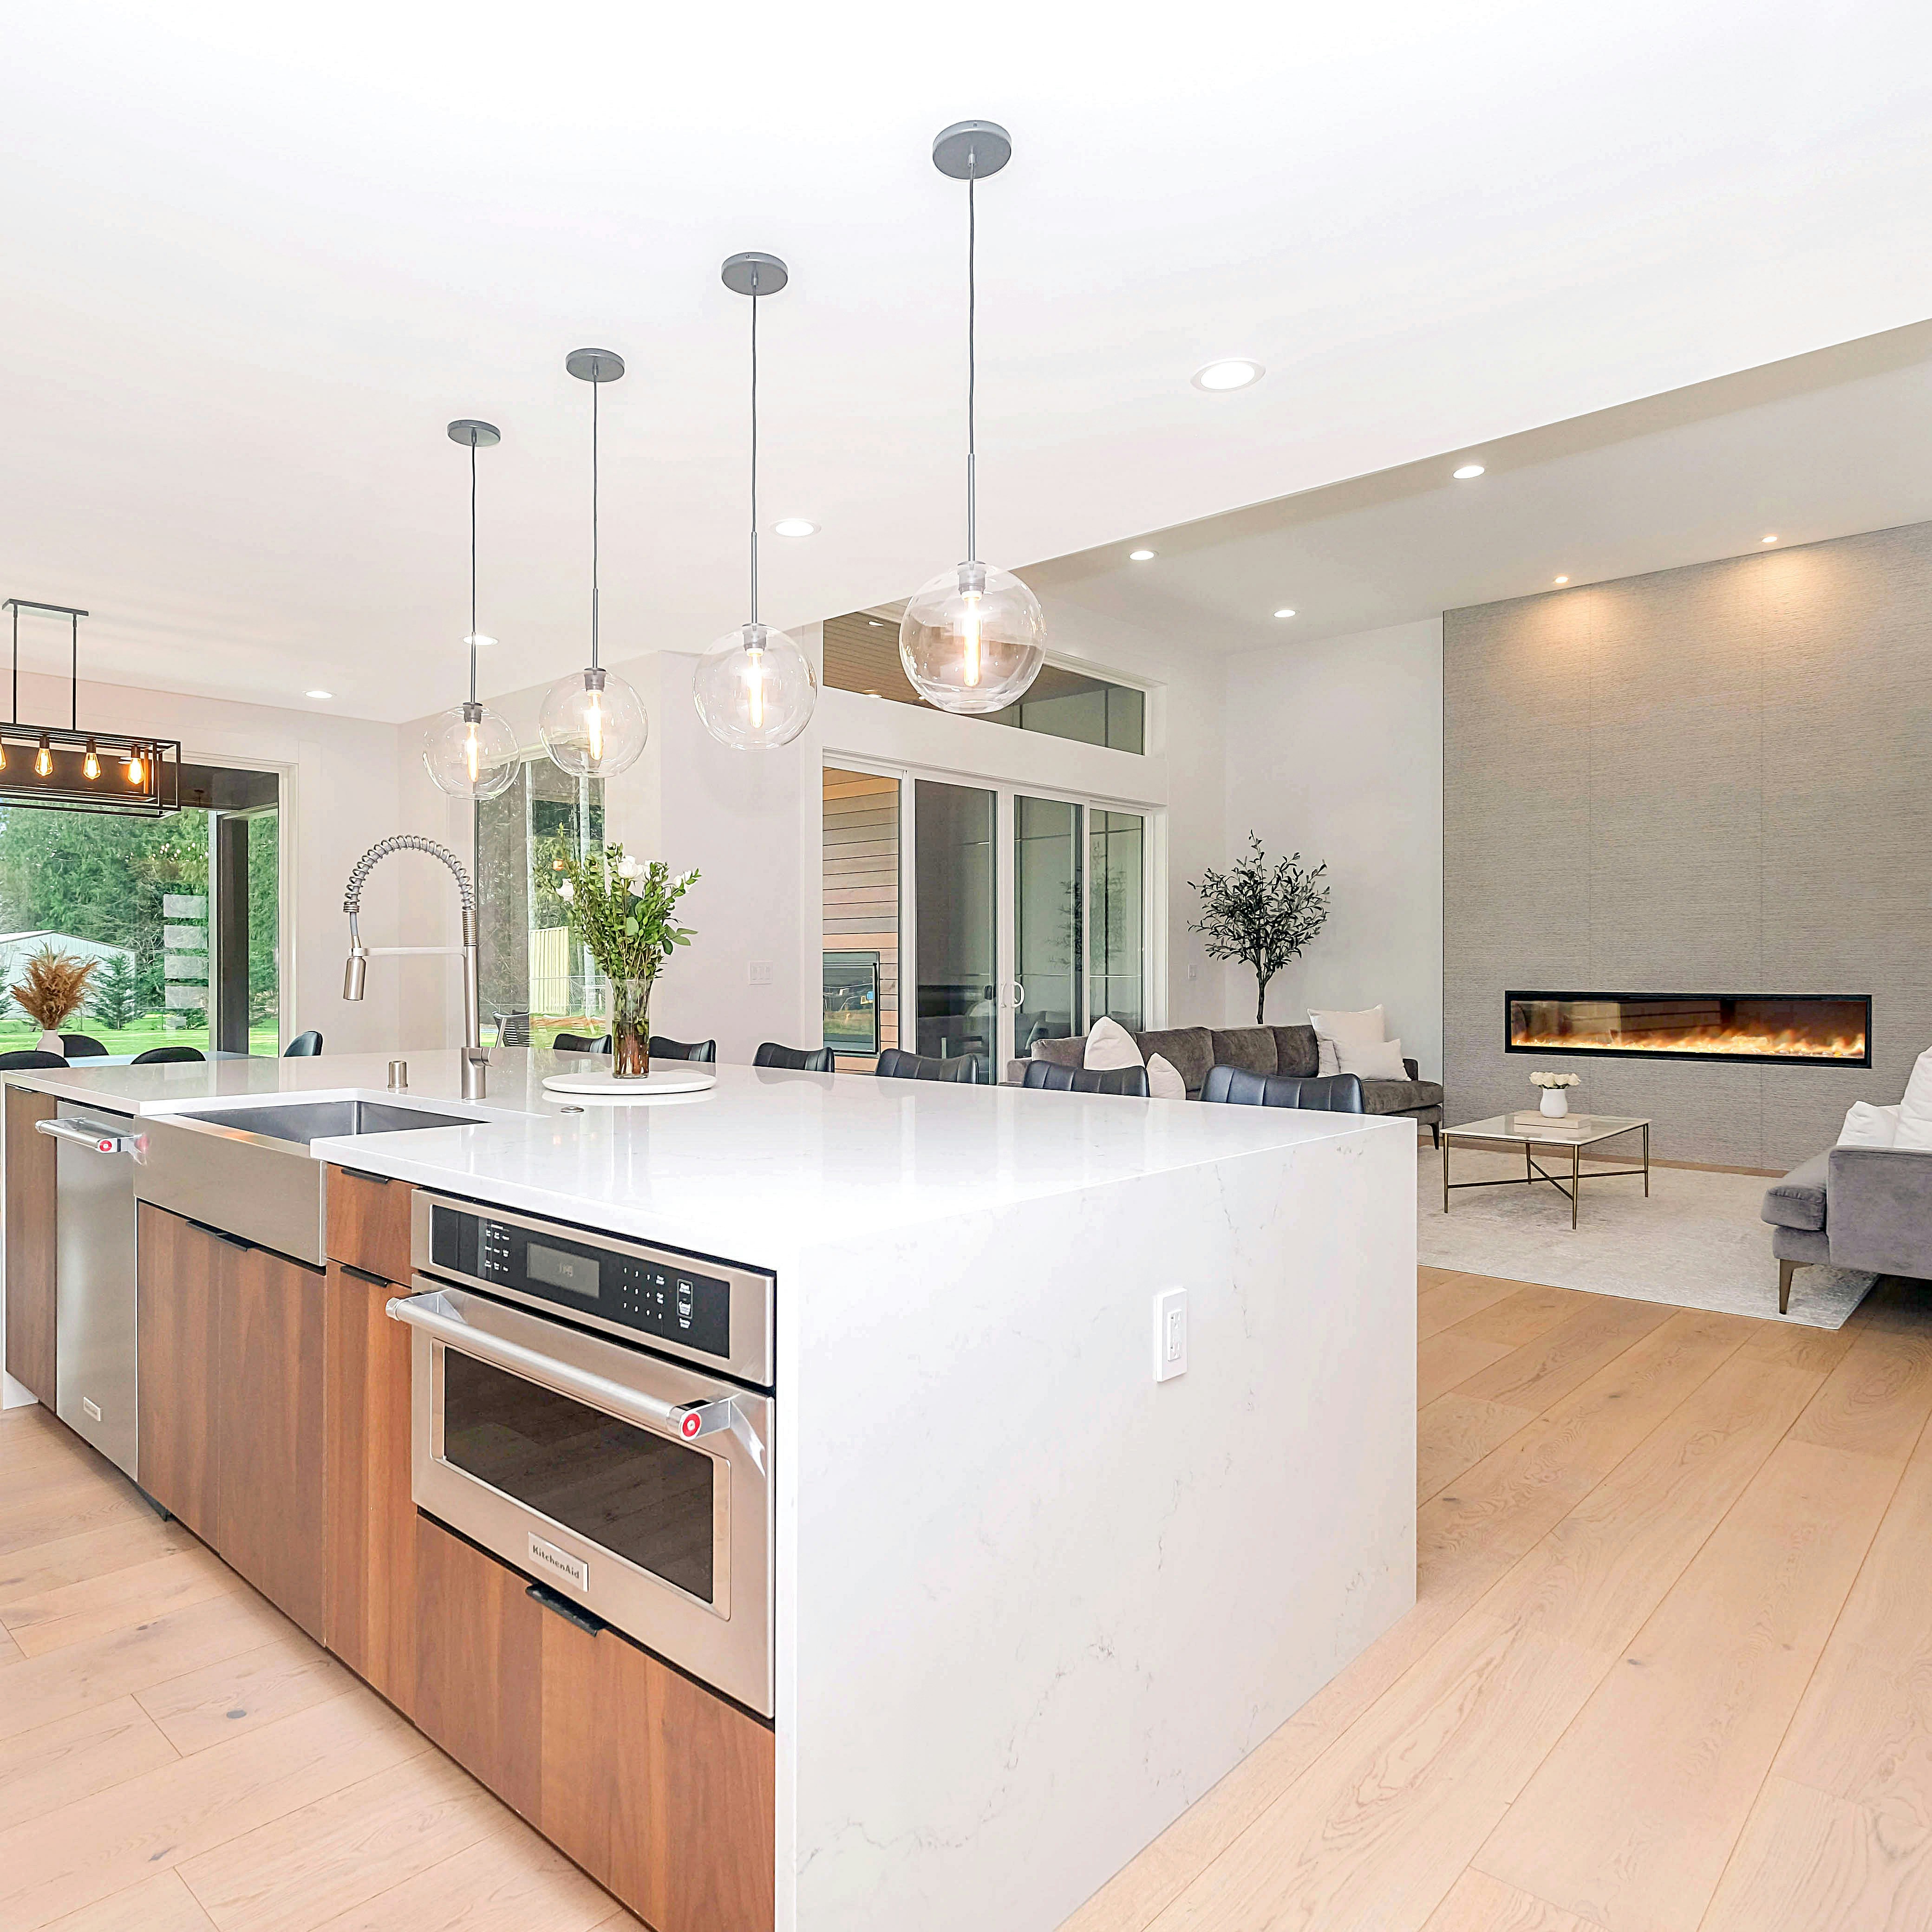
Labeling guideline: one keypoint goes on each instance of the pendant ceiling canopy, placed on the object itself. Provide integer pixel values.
(66, 768)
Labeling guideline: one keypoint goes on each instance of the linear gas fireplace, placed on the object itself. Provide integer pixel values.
(1771, 1029)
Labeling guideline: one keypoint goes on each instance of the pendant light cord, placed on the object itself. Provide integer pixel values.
(473, 566)
(596, 384)
(972, 376)
(755, 446)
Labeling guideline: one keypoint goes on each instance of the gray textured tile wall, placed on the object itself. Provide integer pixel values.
(1713, 779)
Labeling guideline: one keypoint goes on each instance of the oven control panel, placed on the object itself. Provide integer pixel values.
(705, 1310)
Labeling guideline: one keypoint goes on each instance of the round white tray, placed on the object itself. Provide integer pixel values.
(659, 1084)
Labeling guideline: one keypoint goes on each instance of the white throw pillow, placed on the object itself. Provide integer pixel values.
(1867, 1126)
(1382, 1061)
(1915, 1110)
(1164, 1080)
(1325, 1060)
(1367, 1028)
(1109, 1045)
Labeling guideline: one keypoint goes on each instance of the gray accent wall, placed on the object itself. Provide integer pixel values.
(1716, 779)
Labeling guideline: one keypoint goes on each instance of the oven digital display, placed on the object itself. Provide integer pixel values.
(574, 1274)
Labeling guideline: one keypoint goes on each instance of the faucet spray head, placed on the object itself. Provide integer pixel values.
(354, 973)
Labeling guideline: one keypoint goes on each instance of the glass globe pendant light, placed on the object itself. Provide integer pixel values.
(755, 688)
(593, 724)
(972, 639)
(469, 751)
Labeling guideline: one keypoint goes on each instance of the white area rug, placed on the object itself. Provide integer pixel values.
(1696, 1242)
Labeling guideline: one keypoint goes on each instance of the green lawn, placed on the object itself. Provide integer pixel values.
(150, 1030)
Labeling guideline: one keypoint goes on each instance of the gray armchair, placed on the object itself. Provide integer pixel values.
(1853, 1207)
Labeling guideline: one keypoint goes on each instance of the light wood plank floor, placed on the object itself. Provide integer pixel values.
(176, 1755)
(1670, 1666)
(1670, 1670)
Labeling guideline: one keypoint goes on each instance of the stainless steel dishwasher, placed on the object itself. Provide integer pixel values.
(98, 1351)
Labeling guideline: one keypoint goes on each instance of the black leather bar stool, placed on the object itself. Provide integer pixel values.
(662, 1048)
(797, 1059)
(1131, 1081)
(962, 1069)
(1317, 1093)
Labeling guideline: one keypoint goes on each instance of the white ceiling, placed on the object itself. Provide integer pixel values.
(256, 257)
(1820, 445)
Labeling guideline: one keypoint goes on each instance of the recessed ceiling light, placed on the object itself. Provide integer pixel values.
(1139, 556)
(796, 526)
(1563, 580)
(1468, 471)
(322, 694)
(477, 638)
(1769, 540)
(1236, 372)
(1284, 612)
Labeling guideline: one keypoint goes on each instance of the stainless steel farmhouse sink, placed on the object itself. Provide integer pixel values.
(245, 1167)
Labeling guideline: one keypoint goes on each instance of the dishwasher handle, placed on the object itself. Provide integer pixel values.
(95, 1135)
(686, 1421)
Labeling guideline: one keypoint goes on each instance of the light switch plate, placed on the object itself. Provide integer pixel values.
(761, 973)
(1170, 1334)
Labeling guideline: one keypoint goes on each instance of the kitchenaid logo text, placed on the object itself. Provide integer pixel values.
(560, 1563)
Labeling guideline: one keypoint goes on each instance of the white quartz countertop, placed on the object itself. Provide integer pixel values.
(763, 1165)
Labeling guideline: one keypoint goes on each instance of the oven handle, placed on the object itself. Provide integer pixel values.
(687, 1421)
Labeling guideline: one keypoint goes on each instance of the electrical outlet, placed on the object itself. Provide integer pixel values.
(1170, 1334)
(1193, 970)
(761, 972)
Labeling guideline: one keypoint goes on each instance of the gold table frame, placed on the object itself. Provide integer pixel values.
(1497, 1130)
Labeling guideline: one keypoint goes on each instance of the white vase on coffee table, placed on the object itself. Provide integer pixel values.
(1555, 1103)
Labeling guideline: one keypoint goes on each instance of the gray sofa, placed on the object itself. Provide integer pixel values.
(1861, 1207)
(1191, 1050)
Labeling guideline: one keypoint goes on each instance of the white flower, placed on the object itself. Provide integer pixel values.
(629, 868)
(566, 891)
(684, 878)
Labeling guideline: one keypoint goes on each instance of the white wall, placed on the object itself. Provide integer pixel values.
(1334, 749)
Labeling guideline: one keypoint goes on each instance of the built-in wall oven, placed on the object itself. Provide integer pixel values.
(598, 1412)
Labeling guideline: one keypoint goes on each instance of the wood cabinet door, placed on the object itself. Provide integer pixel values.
(31, 1242)
(370, 1619)
(270, 1525)
(660, 1789)
(479, 1665)
(369, 1222)
(176, 1267)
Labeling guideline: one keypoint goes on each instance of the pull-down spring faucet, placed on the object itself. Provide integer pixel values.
(475, 1058)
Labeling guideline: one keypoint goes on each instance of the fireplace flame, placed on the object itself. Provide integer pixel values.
(1789, 1044)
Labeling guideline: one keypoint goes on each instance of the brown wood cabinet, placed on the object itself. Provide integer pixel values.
(176, 1272)
(659, 1789)
(370, 1614)
(369, 1223)
(270, 1526)
(31, 1242)
(479, 1665)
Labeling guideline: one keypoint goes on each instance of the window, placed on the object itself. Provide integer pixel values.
(861, 833)
(862, 654)
(535, 982)
(181, 915)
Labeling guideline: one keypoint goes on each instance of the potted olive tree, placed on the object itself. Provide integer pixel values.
(1261, 914)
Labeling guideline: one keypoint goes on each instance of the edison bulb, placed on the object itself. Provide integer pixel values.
(754, 688)
(137, 770)
(973, 639)
(470, 752)
(43, 759)
(593, 724)
(90, 766)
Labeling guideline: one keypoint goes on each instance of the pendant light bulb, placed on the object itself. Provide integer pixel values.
(468, 750)
(972, 639)
(43, 759)
(90, 766)
(594, 724)
(754, 688)
(137, 769)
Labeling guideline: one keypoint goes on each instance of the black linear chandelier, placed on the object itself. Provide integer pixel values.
(63, 768)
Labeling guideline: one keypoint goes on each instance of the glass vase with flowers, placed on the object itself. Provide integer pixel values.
(623, 912)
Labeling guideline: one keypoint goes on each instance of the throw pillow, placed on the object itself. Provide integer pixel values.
(1382, 1060)
(1325, 1060)
(1367, 1028)
(1109, 1045)
(1867, 1126)
(1164, 1080)
(1915, 1110)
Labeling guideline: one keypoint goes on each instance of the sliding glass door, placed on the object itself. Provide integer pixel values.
(1020, 917)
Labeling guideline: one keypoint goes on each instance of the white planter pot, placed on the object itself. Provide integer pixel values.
(50, 1043)
(1556, 1103)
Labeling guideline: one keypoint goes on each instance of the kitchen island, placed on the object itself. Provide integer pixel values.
(1026, 1602)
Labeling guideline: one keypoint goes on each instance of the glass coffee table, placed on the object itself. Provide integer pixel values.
(1585, 1130)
